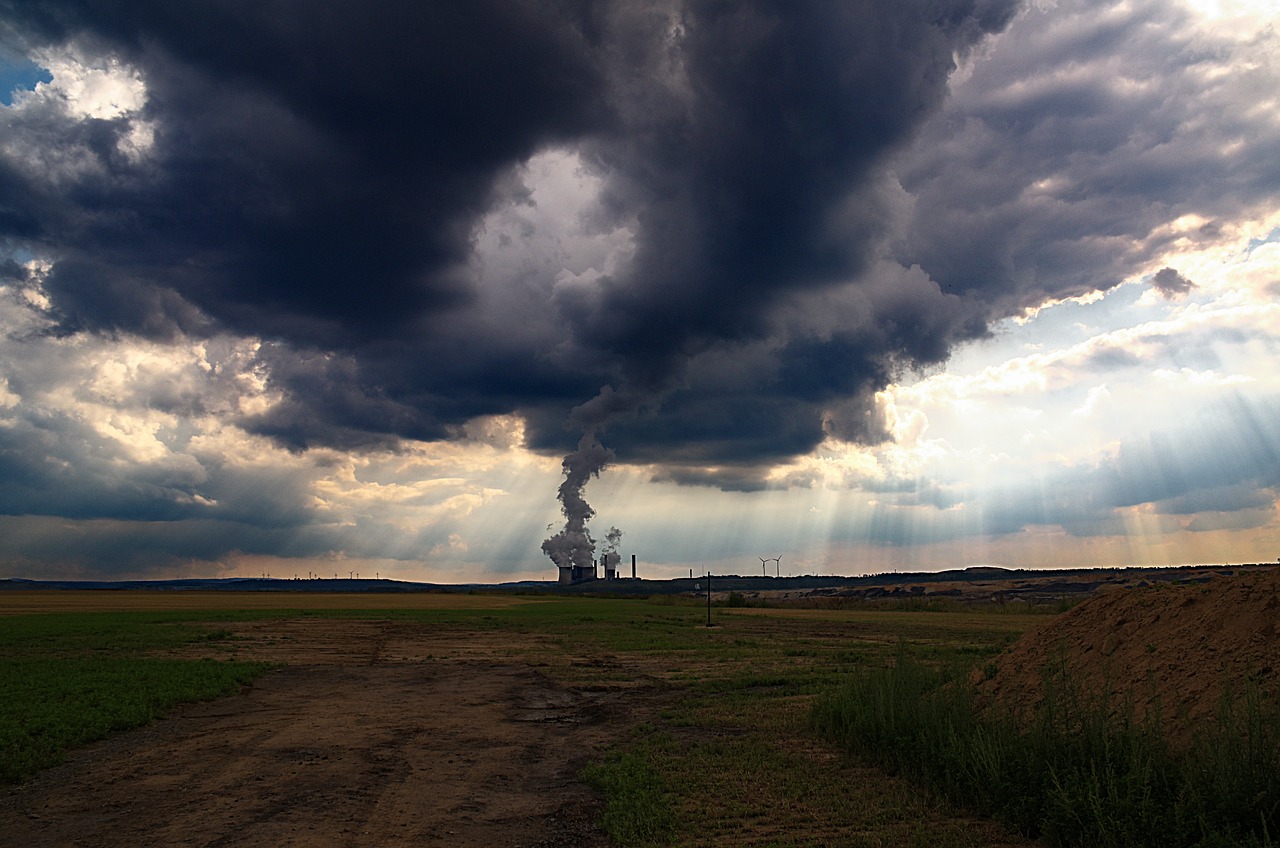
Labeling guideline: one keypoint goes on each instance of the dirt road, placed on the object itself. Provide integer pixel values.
(375, 733)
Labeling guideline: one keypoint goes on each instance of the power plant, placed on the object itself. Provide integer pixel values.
(573, 550)
(609, 560)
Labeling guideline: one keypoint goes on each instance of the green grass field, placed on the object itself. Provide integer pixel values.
(70, 679)
(778, 726)
(732, 753)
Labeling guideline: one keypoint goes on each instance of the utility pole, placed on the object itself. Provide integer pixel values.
(708, 598)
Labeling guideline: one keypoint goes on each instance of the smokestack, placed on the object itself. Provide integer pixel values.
(633, 566)
(611, 558)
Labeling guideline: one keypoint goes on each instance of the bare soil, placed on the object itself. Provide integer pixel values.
(1168, 650)
(375, 733)
(992, 584)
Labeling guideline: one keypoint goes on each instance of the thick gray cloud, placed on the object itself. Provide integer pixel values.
(314, 176)
(1059, 165)
(786, 206)
(55, 548)
(318, 180)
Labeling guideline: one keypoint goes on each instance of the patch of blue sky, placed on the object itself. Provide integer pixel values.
(1270, 238)
(19, 74)
(1058, 327)
(20, 255)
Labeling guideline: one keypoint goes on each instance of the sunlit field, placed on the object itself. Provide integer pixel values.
(744, 735)
(25, 603)
(726, 756)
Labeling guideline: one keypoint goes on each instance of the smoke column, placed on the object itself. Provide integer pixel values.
(610, 556)
(573, 546)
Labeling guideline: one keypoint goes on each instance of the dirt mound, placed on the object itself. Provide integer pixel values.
(1166, 650)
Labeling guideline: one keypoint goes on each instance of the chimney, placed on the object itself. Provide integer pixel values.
(633, 566)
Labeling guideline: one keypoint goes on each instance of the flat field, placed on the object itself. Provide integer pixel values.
(298, 719)
(25, 603)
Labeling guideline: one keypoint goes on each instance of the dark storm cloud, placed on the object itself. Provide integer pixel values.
(315, 175)
(1232, 497)
(83, 482)
(752, 174)
(318, 175)
(53, 547)
(54, 463)
(1246, 519)
(1058, 167)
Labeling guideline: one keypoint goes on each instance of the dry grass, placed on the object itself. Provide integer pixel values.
(55, 601)
(727, 756)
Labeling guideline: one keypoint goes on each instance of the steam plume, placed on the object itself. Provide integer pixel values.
(610, 556)
(573, 546)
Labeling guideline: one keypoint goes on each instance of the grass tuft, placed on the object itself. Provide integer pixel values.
(638, 810)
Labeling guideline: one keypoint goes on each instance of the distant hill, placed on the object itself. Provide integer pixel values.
(972, 583)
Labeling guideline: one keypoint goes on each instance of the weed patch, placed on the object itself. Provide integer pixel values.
(1076, 773)
(638, 810)
(731, 760)
(49, 708)
(67, 680)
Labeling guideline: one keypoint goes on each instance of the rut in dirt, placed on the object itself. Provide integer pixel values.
(358, 751)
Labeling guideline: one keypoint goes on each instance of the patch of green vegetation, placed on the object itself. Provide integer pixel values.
(1075, 773)
(67, 680)
(47, 708)
(731, 759)
(638, 809)
(97, 634)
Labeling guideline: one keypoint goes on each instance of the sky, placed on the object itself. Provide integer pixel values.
(873, 286)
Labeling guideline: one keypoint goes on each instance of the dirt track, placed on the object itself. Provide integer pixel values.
(374, 734)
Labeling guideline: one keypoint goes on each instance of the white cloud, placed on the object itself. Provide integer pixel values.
(88, 87)
(82, 88)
